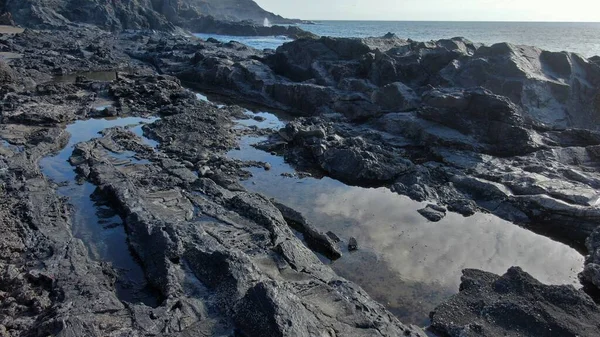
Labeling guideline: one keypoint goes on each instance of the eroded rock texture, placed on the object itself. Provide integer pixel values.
(221, 261)
(515, 304)
(505, 129)
(511, 129)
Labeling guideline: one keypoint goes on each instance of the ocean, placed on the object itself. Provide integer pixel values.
(582, 38)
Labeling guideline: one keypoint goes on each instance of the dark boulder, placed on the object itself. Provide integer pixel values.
(559, 89)
(396, 97)
(433, 213)
(492, 119)
(590, 275)
(353, 162)
(515, 304)
(352, 244)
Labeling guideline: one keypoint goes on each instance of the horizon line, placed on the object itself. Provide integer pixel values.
(499, 21)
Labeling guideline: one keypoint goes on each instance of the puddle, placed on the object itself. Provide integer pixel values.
(261, 120)
(93, 219)
(10, 56)
(405, 262)
(202, 97)
(102, 104)
(4, 29)
(105, 76)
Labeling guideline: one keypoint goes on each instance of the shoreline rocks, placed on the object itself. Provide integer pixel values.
(515, 304)
(219, 258)
(210, 25)
(465, 147)
(379, 112)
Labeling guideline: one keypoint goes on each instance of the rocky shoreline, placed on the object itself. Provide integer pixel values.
(502, 129)
(222, 261)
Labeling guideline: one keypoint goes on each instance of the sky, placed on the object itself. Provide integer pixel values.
(437, 10)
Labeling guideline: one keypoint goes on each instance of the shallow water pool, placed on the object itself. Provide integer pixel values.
(404, 261)
(94, 220)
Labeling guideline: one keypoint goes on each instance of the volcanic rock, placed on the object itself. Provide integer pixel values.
(515, 304)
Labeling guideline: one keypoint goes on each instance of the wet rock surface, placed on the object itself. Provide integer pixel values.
(260, 278)
(222, 261)
(433, 213)
(504, 129)
(441, 122)
(467, 145)
(515, 304)
(590, 276)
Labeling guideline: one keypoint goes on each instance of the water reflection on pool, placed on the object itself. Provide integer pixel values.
(93, 219)
(405, 261)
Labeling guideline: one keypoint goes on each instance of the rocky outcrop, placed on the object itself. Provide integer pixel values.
(216, 257)
(590, 276)
(239, 10)
(210, 25)
(409, 115)
(259, 277)
(435, 118)
(363, 78)
(559, 89)
(138, 14)
(231, 17)
(377, 112)
(49, 282)
(515, 304)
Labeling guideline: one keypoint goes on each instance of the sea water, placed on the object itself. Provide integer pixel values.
(582, 38)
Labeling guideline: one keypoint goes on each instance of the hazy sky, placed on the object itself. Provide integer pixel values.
(438, 10)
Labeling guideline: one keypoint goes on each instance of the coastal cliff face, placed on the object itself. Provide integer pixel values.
(237, 10)
(134, 14)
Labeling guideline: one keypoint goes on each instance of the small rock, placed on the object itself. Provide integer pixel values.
(352, 244)
(464, 207)
(267, 167)
(204, 171)
(259, 118)
(433, 213)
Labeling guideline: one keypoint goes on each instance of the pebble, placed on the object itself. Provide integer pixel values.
(352, 244)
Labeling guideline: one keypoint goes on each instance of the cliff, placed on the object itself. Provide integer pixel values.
(134, 14)
(238, 10)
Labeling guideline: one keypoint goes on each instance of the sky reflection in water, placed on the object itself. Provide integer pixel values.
(405, 261)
